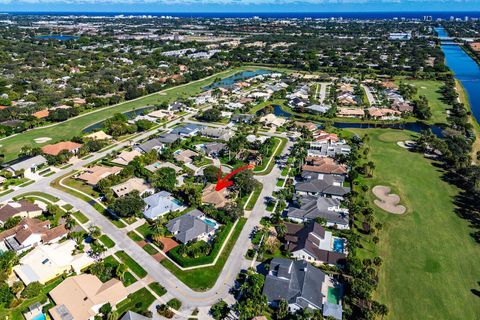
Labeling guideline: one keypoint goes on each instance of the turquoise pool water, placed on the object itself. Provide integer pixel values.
(177, 202)
(338, 245)
(334, 295)
(210, 223)
(40, 316)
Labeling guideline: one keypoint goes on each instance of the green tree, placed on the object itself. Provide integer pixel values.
(220, 310)
(129, 205)
(32, 290)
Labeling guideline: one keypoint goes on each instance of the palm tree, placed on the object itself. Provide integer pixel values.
(70, 223)
(157, 227)
(120, 271)
(112, 315)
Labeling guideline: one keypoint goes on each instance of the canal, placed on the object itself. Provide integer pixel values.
(466, 70)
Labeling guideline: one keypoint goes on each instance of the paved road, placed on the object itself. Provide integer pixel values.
(370, 97)
(323, 92)
(235, 263)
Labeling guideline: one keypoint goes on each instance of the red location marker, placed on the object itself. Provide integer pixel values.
(225, 182)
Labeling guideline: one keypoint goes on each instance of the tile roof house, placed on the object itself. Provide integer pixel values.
(272, 120)
(319, 184)
(31, 232)
(55, 149)
(324, 165)
(192, 226)
(152, 144)
(133, 184)
(307, 208)
(94, 174)
(350, 112)
(217, 133)
(313, 243)
(307, 125)
(41, 114)
(297, 282)
(125, 157)
(46, 262)
(159, 204)
(26, 164)
(99, 135)
(325, 137)
(22, 208)
(160, 114)
(383, 113)
(185, 156)
(81, 296)
(216, 198)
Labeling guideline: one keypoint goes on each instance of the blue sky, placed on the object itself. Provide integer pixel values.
(239, 5)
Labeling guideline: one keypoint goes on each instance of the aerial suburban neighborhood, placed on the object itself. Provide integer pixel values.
(239, 167)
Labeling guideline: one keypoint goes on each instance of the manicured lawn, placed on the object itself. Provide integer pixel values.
(80, 217)
(144, 229)
(138, 301)
(65, 130)
(280, 182)
(109, 243)
(430, 259)
(132, 264)
(79, 185)
(128, 279)
(285, 171)
(267, 165)
(204, 278)
(157, 288)
(67, 207)
(40, 194)
(134, 236)
(254, 198)
(430, 89)
(150, 249)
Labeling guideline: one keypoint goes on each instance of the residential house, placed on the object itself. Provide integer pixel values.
(22, 208)
(384, 113)
(212, 149)
(99, 135)
(321, 136)
(324, 165)
(217, 133)
(319, 184)
(328, 150)
(162, 114)
(185, 156)
(133, 184)
(242, 118)
(55, 149)
(149, 145)
(297, 282)
(308, 208)
(94, 174)
(82, 296)
(313, 243)
(216, 198)
(318, 108)
(350, 112)
(159, 204)
(130, 315)
(187, 130)
(125, 157)
(310, 126)
(192, 226)
(169, 138)
(41, 114)
(271, 120)
(29, 233)
(27, 165)
(154, 167)
(46, 262)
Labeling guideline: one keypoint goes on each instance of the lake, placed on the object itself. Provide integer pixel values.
(241, 76)
(466, 70)
(130, 115)
(57, 37)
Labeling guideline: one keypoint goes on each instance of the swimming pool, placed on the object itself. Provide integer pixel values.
(40, 316)
(210, 223)
(338, 245)
(334, 295)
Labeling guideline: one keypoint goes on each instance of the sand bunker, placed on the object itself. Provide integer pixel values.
(388, 201)
(406, 144)
(42, 139)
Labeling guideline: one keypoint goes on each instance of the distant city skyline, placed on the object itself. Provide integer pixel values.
(250, 6)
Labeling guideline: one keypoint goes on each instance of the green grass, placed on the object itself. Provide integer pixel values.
(131, 264)
(204, 278)
(66, 130)
(150, 249)
(430, 89)
(138, 301)
(174, 303)
(158, 288)
(254, 198)
(134, 236)
(285, 171)
(280, 182)
(280, 142)
(67, 207)
(109, 243)
(430, 259)
(39, 194)
(128, 279)
(80, 217)
(81, 186)
(144, 229)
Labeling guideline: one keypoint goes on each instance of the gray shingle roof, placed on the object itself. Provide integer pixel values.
(325, 184)
(317, 207)
(188, 227)
(294, 281)
(25, 164)
(150, 145)
(130, 315)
